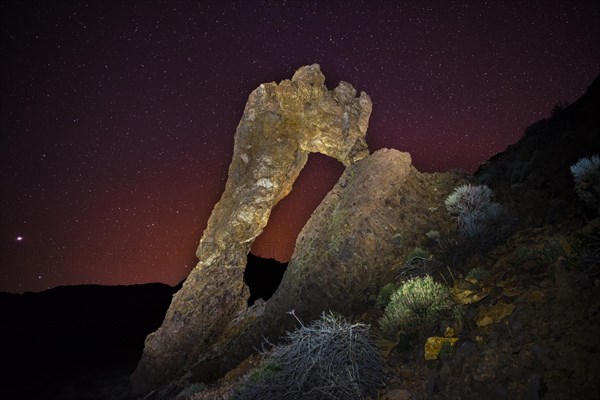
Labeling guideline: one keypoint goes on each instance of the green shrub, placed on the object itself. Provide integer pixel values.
(416, 305)
(385, 293)
(329, 359)
(416, 254)
(418, 262)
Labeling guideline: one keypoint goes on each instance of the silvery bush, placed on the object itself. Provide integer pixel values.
(586, 174)
(475, 212)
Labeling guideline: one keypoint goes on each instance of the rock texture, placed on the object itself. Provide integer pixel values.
(280, 126)
(354, 242)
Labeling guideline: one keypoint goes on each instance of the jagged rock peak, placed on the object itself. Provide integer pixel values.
(282, 123)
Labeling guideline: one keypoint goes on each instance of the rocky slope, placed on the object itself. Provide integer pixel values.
(380, 209)
(530, 298)
(532, 176)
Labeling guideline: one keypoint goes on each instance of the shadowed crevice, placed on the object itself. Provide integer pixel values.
(262, 276)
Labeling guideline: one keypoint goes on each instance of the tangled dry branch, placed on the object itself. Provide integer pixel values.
(330, 359)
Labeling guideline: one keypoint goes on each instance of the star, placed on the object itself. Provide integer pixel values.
(450, 96)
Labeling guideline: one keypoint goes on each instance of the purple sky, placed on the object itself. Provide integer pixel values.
(118, 118)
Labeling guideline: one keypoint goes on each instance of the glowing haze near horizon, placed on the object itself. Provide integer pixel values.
(118, 118)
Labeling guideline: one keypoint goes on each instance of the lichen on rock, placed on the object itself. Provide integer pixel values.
(494, 314)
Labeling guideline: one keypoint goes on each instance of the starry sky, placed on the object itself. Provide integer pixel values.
(118, 117)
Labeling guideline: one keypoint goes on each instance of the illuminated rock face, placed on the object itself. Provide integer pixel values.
(281, 125)
(354, 242)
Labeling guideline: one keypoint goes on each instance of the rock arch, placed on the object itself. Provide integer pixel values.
(282, 123)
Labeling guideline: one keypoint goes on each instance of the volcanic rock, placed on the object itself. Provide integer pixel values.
(354, 243)
(282, 124)
(545, 273)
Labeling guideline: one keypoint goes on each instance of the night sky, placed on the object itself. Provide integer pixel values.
(118, 118)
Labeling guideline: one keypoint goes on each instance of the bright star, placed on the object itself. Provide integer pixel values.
(19, 238)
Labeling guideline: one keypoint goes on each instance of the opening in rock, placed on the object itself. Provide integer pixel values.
(289, 216)
(262, 276)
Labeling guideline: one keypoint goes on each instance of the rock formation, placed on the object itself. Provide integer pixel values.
(280, 126)
(354, 243)
(537, 291)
